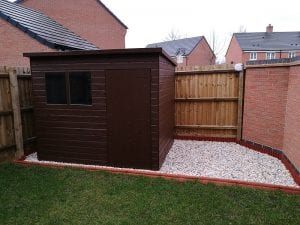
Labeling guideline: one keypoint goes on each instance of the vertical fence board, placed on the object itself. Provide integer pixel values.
(8, 119)
(208, 101)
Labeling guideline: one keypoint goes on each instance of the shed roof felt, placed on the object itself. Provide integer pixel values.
(269, 41)
(42, 28)
(104, 6)
(181, 46)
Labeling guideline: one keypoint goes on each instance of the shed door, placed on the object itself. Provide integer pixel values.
(128, 114)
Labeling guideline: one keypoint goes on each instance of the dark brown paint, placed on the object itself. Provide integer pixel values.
(130, 122)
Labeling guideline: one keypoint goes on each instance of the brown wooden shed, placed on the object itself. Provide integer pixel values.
(104, 107)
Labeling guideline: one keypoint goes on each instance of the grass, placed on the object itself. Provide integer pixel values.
(38, 195)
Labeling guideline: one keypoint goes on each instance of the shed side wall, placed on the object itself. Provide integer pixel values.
(166, 107)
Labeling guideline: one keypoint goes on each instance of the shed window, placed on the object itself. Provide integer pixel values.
(80, 88)
(56, 88)
(68, 88)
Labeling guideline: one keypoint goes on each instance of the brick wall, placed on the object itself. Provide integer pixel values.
(234, 53)
(87, 18)
(272, 108)
(201, 55)
(14, 42)
(264, 105)
(291, 144)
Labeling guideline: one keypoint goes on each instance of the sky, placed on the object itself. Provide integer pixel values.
(152, 21)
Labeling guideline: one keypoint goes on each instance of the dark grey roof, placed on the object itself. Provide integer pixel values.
(184, 46)
(104, 6)
(272, 41)
(42, 28)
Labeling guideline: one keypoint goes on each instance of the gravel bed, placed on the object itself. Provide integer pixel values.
(216, 160)
(225, 160)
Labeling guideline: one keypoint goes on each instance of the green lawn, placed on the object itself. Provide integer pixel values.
(37, 195)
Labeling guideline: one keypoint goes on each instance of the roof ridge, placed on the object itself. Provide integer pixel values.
(180, 39)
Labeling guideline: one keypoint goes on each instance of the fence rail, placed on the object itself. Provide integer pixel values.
(16, 112)
(208, 101)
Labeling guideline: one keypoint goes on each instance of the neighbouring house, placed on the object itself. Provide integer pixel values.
(188, 51)
(250, 46)
(24, 29)
(90, 19)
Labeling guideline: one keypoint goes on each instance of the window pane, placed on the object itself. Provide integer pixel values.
(80, 88)
(56, 88)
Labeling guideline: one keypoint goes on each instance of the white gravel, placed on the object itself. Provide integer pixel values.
(216, 160)
(225, 160)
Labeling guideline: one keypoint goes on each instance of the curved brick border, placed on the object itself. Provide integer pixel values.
(203, 180)
(256, 147)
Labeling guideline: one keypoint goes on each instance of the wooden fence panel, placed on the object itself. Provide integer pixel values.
(8, 150)
(207, 102)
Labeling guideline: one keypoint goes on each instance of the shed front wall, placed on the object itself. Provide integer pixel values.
(78, 134)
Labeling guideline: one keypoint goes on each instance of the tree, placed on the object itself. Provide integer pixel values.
(217, 44)
(173, 35)
(242, 29)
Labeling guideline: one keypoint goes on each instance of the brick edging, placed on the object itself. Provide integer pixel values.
(156, 174)
(256, 147)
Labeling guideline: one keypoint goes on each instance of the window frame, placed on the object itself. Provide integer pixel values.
(68, 88)
(270, 53)
(291, 54)
(251, 54)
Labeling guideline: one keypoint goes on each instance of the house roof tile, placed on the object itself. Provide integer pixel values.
(42, 28)
(269, 41)
(184, 46)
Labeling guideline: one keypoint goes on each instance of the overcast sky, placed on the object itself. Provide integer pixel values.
(151, 21)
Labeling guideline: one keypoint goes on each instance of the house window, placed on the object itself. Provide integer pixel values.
(253, 56)
(292, 54)
(270, 55)
(179, 59)
(68, 88)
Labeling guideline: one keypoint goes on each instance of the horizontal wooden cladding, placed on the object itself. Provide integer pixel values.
(208, 101)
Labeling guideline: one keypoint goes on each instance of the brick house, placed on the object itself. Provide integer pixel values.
(188, 51)
(250, 46)
(26, 30)
(90, 19)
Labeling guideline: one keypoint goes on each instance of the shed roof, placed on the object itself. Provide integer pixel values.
(102, 4)
(127, 51)
(42, 28)
(181, 46)
(268, 41)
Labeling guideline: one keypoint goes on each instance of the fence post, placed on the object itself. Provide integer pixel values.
(14, 91)
(240, 105)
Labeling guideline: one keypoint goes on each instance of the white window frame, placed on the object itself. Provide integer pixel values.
(253, 56)
(179, 59)
(291, 54)
(270, 55)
